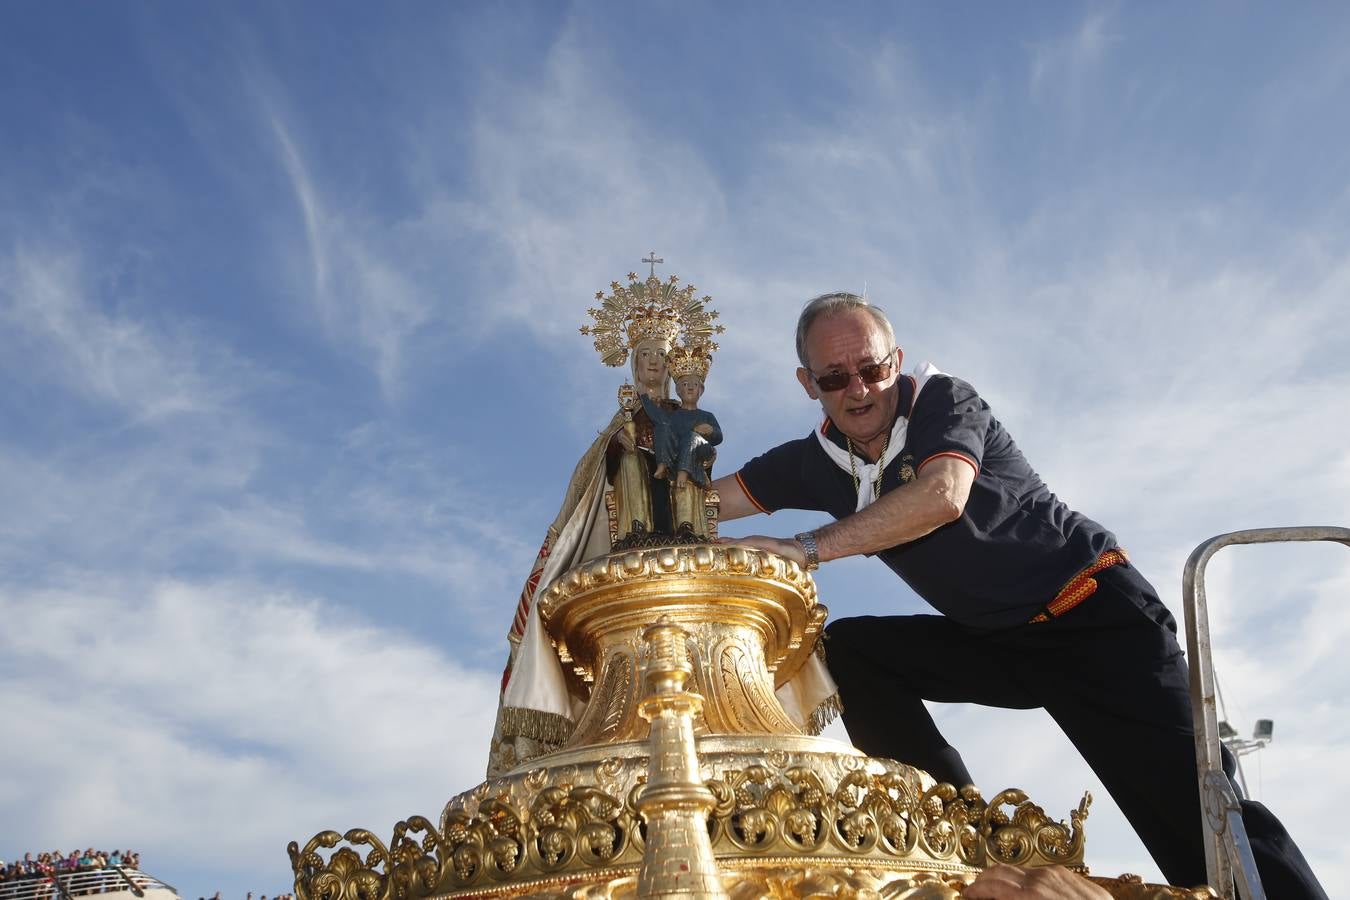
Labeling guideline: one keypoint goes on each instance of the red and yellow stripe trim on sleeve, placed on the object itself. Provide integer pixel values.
(954, 455)
(749, 496)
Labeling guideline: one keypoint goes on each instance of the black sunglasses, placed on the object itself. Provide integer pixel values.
(870, 374)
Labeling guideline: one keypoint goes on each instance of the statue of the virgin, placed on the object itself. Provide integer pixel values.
(613, 500)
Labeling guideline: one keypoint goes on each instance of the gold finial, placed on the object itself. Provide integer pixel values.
(678, 863)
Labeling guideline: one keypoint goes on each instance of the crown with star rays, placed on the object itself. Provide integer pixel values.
(650, 310)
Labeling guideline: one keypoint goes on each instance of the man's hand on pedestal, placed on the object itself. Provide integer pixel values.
(1000, 882)
(787, 547)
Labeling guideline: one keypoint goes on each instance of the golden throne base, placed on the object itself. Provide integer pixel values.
(789, 814)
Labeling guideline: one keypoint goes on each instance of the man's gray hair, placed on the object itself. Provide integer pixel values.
(827, 305)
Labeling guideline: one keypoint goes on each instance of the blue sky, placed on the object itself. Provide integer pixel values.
(288, 309)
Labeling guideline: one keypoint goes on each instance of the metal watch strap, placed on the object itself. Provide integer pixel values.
(808, 541)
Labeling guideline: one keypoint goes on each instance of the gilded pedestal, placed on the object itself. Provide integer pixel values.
(751, 620)
(787, 814)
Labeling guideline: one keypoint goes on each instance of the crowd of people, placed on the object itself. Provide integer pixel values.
(48, 865)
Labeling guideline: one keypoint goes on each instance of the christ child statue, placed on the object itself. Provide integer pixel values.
(683, 438)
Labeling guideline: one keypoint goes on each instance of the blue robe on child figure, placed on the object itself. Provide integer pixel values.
(683, 439)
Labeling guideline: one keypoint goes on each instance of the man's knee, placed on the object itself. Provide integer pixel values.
(841, 656)
(846, 634)
(850, 648)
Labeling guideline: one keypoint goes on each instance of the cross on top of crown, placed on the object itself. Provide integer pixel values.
(653, 259)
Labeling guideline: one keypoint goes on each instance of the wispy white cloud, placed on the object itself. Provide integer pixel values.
(150, 711)
(572, 186)
(179, 465)
(309, 210)
(58, 328)
(153, 506)
(1058, 67)
(355, 278)
(381, 531)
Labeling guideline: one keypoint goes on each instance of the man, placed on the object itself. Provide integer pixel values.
(1041, 608)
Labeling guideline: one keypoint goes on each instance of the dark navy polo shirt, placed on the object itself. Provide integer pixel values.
(1012, 550)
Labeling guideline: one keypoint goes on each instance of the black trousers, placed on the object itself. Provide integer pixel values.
(1110, 673)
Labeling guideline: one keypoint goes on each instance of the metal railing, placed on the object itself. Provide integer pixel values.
(82, 883)
(1228, 852)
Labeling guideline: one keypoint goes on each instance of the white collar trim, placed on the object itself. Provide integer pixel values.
(869, 472)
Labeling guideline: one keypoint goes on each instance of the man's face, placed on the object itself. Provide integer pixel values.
(845, 343)
(649, 363)
(689, 388)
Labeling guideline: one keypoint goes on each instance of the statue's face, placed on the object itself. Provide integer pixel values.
(649, 365)
(689, 389)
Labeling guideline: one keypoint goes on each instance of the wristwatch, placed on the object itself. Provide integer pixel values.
(808, 541)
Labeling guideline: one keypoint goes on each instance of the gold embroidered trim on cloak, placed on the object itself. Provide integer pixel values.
(829, 709)
(535, 724)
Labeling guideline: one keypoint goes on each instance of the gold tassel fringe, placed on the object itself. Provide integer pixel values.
(829, 710)
(535, 724)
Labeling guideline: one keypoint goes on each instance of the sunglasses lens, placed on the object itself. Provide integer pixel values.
(834, 381)
(875, 372)
(870, 374)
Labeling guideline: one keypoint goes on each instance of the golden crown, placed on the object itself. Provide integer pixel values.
(649, 310)
(695, 360)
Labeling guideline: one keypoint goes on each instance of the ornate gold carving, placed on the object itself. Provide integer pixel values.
(1029, 836)
(612, 514)
(752, 617)
(1132, 887)
(785, 883)
(712, 509)
(787, 815)
(616, 711)
(674, 804)
(771, 803)
(792, 811)
(737, 667)
(345, 876)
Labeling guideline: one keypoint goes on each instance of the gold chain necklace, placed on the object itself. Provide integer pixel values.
(881, 468)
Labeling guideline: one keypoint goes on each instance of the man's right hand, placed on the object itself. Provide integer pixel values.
(785, 547)
(1000, 882)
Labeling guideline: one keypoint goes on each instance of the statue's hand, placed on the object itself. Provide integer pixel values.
(624, 440)
(704, 429)
(1000, 882)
